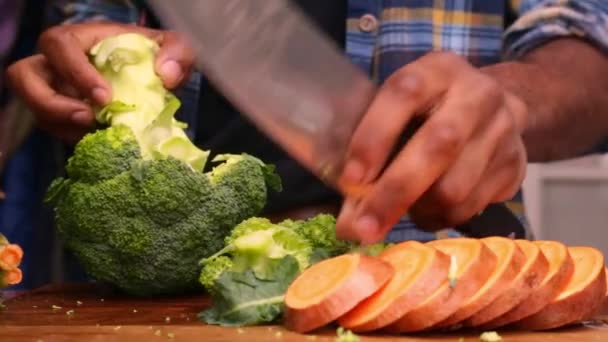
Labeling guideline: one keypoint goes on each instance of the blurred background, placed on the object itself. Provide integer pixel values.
(565, 201)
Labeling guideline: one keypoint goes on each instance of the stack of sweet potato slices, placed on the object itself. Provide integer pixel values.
(447, 284)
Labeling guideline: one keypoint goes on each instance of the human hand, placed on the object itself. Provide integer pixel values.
(467, 153)
(59, 84)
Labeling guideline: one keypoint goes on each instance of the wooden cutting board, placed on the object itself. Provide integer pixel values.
(99, 315)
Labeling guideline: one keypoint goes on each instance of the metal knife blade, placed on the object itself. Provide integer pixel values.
(258, 53)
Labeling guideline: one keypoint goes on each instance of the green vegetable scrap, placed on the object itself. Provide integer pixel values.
(247, 279)
(490, 336)
(139, 206)
(344, 335)
(242, 298)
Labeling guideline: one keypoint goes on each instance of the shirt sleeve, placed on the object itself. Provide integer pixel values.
(540, 21)
(79, 11)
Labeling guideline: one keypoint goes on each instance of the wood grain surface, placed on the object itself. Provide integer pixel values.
(89, 313)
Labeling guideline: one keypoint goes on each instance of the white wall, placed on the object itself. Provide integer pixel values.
(568, 201)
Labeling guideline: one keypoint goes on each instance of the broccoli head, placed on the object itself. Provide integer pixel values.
(136, 206)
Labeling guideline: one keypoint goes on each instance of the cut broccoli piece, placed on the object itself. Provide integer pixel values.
(212, 271)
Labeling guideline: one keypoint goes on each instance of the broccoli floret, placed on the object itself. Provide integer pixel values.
(103, 156)
(135, 206)
(212, 271)
(248, 226)
(259, 247)
(320, 230)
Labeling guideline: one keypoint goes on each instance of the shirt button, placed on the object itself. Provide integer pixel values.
(368, 23)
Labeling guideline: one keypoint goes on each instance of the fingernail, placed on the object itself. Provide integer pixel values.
(354, 172)
(101, 95)
(81, 118)
(171, 71)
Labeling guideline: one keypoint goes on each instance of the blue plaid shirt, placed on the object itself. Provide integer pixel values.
(384, 35)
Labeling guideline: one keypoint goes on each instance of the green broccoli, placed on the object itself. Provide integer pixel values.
(213, 269)
(256, 243)
(320, 231)
(263, 258)
(135, 206)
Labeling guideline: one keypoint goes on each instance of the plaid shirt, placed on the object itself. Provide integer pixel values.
(384, 35)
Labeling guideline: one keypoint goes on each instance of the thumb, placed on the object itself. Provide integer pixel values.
(174, 60)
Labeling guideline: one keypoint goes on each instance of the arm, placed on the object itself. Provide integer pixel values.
(559, 68)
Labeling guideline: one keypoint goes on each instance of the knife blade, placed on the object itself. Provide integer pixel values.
(258, 53)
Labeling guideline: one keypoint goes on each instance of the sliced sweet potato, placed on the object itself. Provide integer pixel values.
(528, 279)
(420, 270)
(510, 259)
(474, 262)
(582, 297)
(561, 267)
(331, 288)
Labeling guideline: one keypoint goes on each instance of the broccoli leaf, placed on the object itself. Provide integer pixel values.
(244, 299)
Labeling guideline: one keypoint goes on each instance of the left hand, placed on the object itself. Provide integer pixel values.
(467, 154)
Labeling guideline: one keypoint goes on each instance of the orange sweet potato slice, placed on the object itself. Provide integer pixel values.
(561, 267)
(527, 280)
(420, 270)
(510, 259)
(331, 288)
(473, 263)
(582, 297)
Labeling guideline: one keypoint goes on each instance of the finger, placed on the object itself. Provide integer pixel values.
(66, 49)
(410, 91)
(31, 79)
(175, 59)
(455, 186)
(431, 151)
(346, 215)
(67, 54)
(517, 155)
(500, 183)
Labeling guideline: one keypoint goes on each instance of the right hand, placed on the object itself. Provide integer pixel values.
(59, 83)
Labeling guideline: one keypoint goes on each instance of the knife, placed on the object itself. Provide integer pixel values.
(258, 53)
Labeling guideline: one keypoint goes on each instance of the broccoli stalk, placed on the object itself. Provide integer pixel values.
(139, 100)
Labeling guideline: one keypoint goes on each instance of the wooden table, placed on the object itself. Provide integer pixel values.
(99, 315)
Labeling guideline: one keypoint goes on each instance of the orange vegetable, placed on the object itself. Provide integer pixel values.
(11, 277)
(331, 288)
(529, 277)
(10, 256)
(510, 260)
(474, 263)
(582, 297)
(560, 270)
(420, 271)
